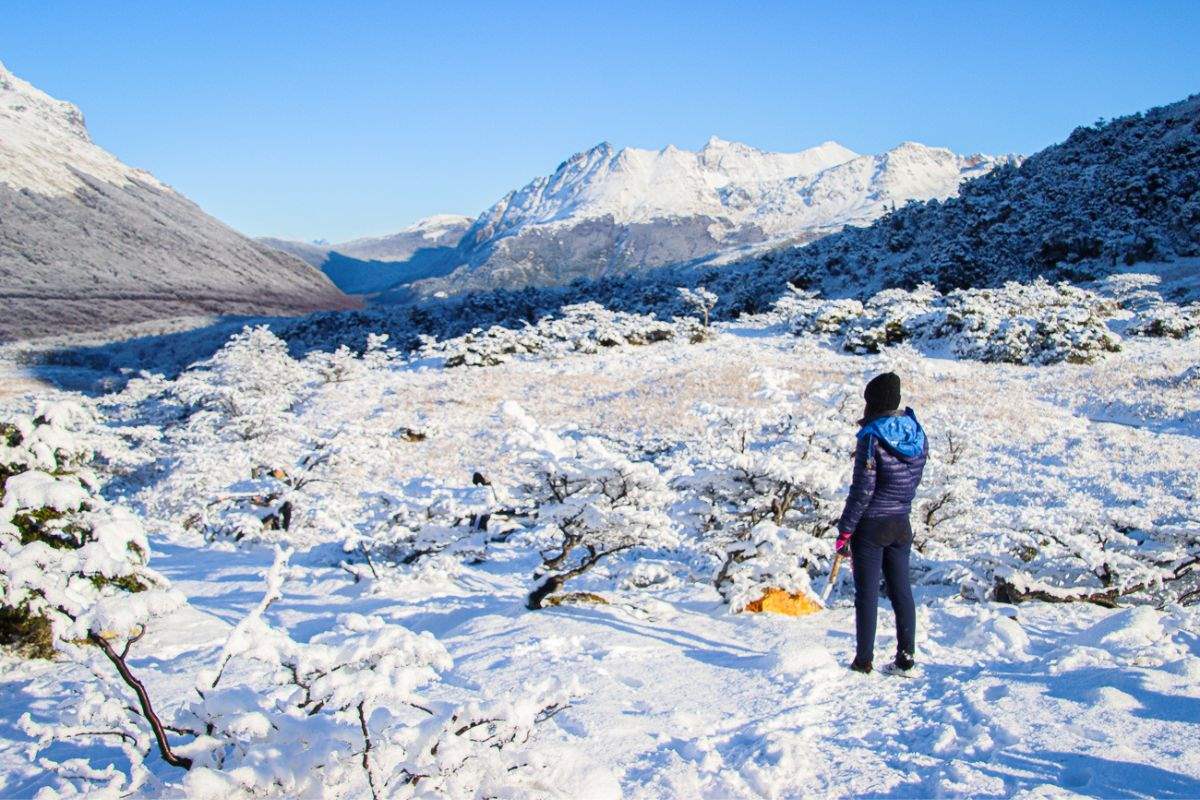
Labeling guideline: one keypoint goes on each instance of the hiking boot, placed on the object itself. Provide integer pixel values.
(904, 665)
(863, 667)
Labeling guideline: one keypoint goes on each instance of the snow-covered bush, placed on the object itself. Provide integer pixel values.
(424, 518)
(771, 557)
(350, 714)
(890, 317)
(355, 711)
(807, 312)
(74, 574)
(763, 487)
(264, 447)
(343, 364)
(591, 502)
(1037, 323)
(1059, 556)
(245, 387)
(581, 328)
(1167, 319)
(72, 566)
(943, 510)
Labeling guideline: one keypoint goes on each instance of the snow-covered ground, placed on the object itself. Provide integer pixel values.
(673, 695)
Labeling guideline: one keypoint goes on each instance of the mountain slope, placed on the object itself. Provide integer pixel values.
(87, 242)
(607, 211)
(1111, 195)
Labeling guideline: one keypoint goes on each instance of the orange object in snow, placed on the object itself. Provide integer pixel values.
(778, 601)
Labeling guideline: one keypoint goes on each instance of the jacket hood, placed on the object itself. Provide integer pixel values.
(898, 431)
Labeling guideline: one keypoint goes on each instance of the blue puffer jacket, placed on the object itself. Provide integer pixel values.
(888, 463)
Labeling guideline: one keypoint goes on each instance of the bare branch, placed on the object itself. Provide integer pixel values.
(160, 736)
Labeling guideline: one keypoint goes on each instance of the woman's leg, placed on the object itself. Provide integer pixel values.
(899, 588)
(866, 560)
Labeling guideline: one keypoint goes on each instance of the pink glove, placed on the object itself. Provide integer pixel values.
(843, 543)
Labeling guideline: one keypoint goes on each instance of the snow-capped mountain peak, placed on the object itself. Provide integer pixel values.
(438, 226)
(45, 143)
(632, 185)
(607, 210)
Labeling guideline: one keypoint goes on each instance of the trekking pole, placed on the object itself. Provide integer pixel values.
(833, 573)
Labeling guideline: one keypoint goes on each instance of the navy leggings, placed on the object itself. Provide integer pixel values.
(879, 547)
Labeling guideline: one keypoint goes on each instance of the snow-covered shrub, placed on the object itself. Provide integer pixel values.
(890, 317)
(264, 506)
(343, 364)
(423, 518)
(354, 712)
(763, 487)
(254, 457)
(1059, 556)
(771, 557)
(580, 328)
(806, 312)
(1167, 319)
(70, 562)
(245, 388)
(591, 502)
(1036, 323)
(942, 512)
(74, 577)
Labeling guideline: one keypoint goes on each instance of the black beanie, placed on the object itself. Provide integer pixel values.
(882, 394)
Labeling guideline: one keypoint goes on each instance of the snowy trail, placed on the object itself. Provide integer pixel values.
(685, 700)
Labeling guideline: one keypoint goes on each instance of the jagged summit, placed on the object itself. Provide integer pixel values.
(606, 210)
(633, 185)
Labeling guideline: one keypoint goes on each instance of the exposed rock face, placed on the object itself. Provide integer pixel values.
(87, 242)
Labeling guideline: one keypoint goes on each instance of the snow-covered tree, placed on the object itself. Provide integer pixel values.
(74, 574)
(700, 300)
(343, 364)
(590, 501)
(764, 484)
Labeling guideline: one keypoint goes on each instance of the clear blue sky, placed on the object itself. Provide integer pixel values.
(335, 120)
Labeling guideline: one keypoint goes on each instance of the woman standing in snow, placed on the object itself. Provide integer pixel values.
(874, 528)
